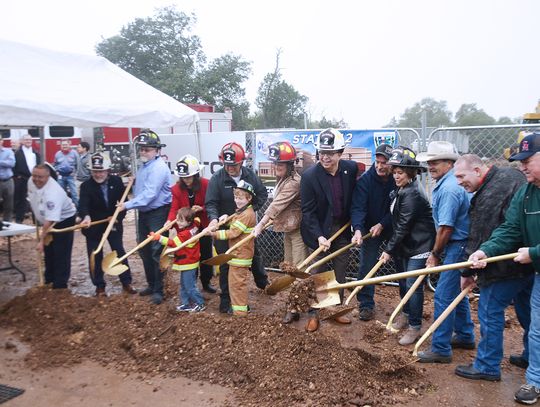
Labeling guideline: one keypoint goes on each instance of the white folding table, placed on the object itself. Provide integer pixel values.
(10, 230)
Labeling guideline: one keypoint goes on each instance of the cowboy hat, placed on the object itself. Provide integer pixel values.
(439, 150)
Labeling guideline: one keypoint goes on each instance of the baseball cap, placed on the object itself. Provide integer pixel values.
(529, 146)
(385, 150)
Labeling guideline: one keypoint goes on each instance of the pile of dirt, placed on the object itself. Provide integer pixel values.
(301, 296)
(267, 364)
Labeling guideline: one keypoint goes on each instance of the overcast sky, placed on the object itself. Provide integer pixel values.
(363, 61)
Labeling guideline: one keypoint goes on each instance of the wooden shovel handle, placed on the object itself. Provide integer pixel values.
(79, 226)
(404, 300)
(113, 218)
(442, 317)
(374, 269)
(246, 239)
(420, 272)
(320, 248)
(164, 228)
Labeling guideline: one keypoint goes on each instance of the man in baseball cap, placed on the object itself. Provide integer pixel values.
(529, 146)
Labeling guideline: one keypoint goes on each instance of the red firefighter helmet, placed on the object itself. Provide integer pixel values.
(232, 153)
(281, 152)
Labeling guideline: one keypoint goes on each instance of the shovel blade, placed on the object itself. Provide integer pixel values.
(299, 274)
(279, 285)
(219, 259)
(111, 266)
(333, 313)
(326, 294)
(165, 262)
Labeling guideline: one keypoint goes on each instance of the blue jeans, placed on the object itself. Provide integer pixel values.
(494, 299)
(369, 256)
(415, 306)
(533, 371)
(448, 288)
(189, 293)
(150, 222)
(68, 183)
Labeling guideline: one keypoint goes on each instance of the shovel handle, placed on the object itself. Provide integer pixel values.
(79, 226)
(419, 272)
(113, 218)
(164, 228)
(39, 260)
(246, 239)
(375, 268)
(442, 317)
(320, 248)
(403, 301)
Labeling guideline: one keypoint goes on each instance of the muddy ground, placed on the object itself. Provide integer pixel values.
(65, 347)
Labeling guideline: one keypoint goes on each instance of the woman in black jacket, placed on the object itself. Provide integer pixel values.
(413, 238)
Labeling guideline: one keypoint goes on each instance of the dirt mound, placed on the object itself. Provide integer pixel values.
(267, 363)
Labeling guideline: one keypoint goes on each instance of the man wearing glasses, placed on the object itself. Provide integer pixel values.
(521, 232)
(326, 193)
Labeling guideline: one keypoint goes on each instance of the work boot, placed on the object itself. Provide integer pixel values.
(157, 298)
(433, 357)
(342, 319)
(146, 291)
(410, 337)
(401, 321)
(100, 292)
(469, 372)
(290, 317)
(527, 394)
(128, 289)
(312, 324)
(457, 344)
(366, 314)
(209, 288)
(519, 361)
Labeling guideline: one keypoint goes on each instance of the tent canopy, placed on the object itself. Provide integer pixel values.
(42, 87)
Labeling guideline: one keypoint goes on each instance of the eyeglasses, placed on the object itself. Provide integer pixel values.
(327, 153)
(146, 149)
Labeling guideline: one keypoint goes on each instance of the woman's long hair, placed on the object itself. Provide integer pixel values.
(195, 187)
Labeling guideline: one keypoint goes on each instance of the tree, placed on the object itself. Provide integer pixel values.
(436, 111)
(162, 51)
(280, 104)
(325, 123)
(469, 115)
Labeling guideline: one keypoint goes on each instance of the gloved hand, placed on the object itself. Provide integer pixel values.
(155, 236)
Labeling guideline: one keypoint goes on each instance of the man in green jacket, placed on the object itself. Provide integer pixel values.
(521, 231)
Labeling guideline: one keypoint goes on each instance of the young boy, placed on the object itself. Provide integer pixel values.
(239, 229)
(186, 260)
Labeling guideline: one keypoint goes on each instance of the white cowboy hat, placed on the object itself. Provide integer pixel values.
(439, 150)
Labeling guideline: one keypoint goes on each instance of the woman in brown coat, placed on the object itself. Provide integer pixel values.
(285, 210)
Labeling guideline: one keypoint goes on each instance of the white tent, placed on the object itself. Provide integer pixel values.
(40, 87)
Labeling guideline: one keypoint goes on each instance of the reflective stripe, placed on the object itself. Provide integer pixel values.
(221, 235)
(240, 226)
(243, 308)
(184, 267)
(240, 262)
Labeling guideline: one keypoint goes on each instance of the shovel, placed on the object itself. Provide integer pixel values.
(345, 309)
(109, 228)
(327, 288)
(49, 237)
(39, 260)
(113, 266)
(228, 255)
(402, 303)
(283, 282)
(442, 317)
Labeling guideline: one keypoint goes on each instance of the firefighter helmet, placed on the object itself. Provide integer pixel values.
(245, 186)
(330, 140)
(405, 157)
(232, 153)
(188, 166)
(99, 161)
(148, 138)
(281, 152)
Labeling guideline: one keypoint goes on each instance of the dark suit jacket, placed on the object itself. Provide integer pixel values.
(316, 198)
(21, 167)
(92, 202)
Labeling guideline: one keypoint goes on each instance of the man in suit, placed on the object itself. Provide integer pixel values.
(326, 194)
(26, 158)
(99, 196)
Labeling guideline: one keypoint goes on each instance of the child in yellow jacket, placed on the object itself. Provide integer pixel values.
(239, 266)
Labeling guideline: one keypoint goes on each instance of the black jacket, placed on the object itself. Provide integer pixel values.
(316, 198)
(371, 202)
(412, 221)
(21, 167)
(219, 195)
(487, 210)
(92, 202)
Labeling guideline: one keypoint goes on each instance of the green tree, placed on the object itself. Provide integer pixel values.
(325, 123)
(280, 104)
(470, 115)
(162, 51)
(436, 111)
